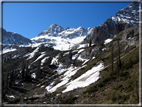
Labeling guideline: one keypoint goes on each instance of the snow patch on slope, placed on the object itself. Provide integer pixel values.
(32, 54)
(107, 41)
(10, 96)
(8, 50)
(42, 55)
(43, 60)
(66, 77)
(85, 79)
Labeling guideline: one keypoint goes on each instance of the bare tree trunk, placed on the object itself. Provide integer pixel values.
(90, 42)
(6, 81)
(38, 73)
(119, 60)
(112, 57)
(23, 71)
(70, 54)
(26, 72)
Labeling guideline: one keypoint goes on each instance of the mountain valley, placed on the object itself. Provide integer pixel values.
(74, 65)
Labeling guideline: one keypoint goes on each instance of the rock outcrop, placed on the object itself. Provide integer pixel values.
(122, 20)
(14, 38)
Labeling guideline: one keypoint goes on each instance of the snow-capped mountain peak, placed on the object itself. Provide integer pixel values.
(60, 38)
(53, 25)
(53, 30)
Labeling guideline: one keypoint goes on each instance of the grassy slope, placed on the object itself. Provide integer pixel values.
(119, 86)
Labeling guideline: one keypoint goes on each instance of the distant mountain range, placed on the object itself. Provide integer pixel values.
(64, 39)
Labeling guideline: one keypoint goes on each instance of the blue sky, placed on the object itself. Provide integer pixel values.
(29, 19)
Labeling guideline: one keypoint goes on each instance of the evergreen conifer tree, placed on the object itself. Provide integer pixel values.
(38, 73)
(90, 42)
(70, 54)
(23, 72)
(26, 72)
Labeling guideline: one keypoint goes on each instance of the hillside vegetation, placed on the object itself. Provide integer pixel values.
(118, 81)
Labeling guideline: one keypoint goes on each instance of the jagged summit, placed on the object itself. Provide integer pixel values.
(67, 28)
(60, 38)
(52, 30)
(54, 25)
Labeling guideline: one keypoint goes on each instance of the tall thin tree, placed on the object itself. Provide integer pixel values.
(11, 82)
(6, 81)
(119, 60)
(90, 42)
(112, 56)
(70, 54)
(26, 72)
(38, 73)
(23, 71)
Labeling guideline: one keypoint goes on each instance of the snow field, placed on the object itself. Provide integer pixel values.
(66, 77)
(62, 39)
(85, 79)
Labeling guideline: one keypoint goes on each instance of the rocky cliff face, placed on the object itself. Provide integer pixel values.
(122, 20)
(14, 38)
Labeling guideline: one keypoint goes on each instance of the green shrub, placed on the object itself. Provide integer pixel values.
(94, 63)
(114, 72)
(69, 100)
(15, 101)
(106, 69)
(91, 89)
(103, 59)
(109, 78)
(113, 95)
(123, 74)
(100, 84)
(130, 64)
(125, 97)
(129, 89)
(82, 68)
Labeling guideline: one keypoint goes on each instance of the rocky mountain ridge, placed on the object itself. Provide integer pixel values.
(60, 38)
(123, 19)
(14, 38)
(63, 39)
(56, 30)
